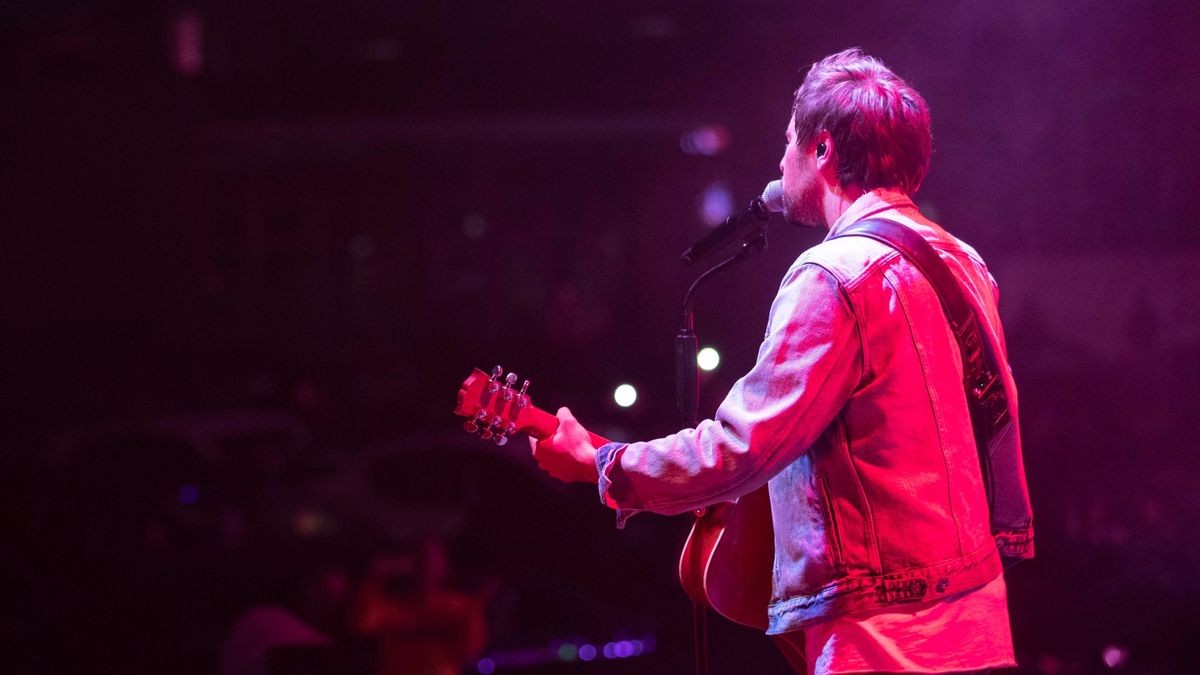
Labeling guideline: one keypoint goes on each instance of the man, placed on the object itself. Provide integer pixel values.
(886, 556)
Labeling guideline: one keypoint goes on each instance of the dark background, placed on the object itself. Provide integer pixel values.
(242, 282)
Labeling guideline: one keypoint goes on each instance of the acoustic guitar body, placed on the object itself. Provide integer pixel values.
(728, 559)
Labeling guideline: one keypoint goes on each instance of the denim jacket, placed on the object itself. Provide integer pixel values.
(855, 418)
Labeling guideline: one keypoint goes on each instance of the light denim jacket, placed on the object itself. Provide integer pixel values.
(854, 415)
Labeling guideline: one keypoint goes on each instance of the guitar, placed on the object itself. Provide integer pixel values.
(727, 560)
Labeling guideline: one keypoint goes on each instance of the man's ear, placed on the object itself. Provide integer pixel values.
(825, 149)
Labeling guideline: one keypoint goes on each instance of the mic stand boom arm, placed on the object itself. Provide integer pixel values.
(687, 392)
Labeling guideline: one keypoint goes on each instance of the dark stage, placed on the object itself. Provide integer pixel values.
(252, 249)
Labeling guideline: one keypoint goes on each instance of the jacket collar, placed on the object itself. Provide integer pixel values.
(870, 204)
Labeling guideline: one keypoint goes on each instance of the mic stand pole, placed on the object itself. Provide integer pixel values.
(687, 399)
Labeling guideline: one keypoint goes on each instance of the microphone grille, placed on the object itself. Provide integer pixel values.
(772, 196)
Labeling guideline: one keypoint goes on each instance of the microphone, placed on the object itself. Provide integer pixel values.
(739, 224)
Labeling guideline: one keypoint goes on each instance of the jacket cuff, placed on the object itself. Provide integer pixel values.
(606, 456)
(1014, 545)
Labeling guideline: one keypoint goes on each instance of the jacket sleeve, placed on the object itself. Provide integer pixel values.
(808, 365)
(1012, 509)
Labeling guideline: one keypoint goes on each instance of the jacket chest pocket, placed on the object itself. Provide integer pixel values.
(832, 532)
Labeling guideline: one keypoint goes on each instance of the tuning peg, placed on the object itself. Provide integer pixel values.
(508, 383)
(504, 431)
(473, 423)
(493, 381)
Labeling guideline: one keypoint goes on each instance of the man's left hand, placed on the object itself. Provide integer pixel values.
(568, 455)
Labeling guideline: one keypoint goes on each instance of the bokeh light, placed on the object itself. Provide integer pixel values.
(625, 395)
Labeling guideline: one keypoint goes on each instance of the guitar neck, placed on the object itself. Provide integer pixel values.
(541, 424)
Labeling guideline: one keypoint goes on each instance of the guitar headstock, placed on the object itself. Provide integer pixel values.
(492, 406)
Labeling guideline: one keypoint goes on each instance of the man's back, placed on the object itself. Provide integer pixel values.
(898, 472)
(893, 482)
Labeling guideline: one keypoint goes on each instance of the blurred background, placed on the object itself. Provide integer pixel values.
(251, 250)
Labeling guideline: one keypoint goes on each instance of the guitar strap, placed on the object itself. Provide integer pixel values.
(987, 401)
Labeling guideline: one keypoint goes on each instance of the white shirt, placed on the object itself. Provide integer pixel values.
(965, 632)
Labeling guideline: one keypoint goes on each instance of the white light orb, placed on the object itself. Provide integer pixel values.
(708, 359)
(625, 395)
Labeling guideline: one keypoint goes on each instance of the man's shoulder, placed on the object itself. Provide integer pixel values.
(851, 258)
(847, 259)
(955, 245)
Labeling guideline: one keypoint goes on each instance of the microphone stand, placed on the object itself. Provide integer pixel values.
(687, 399)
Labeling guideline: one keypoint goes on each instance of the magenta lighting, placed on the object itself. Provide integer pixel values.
(187, 55)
